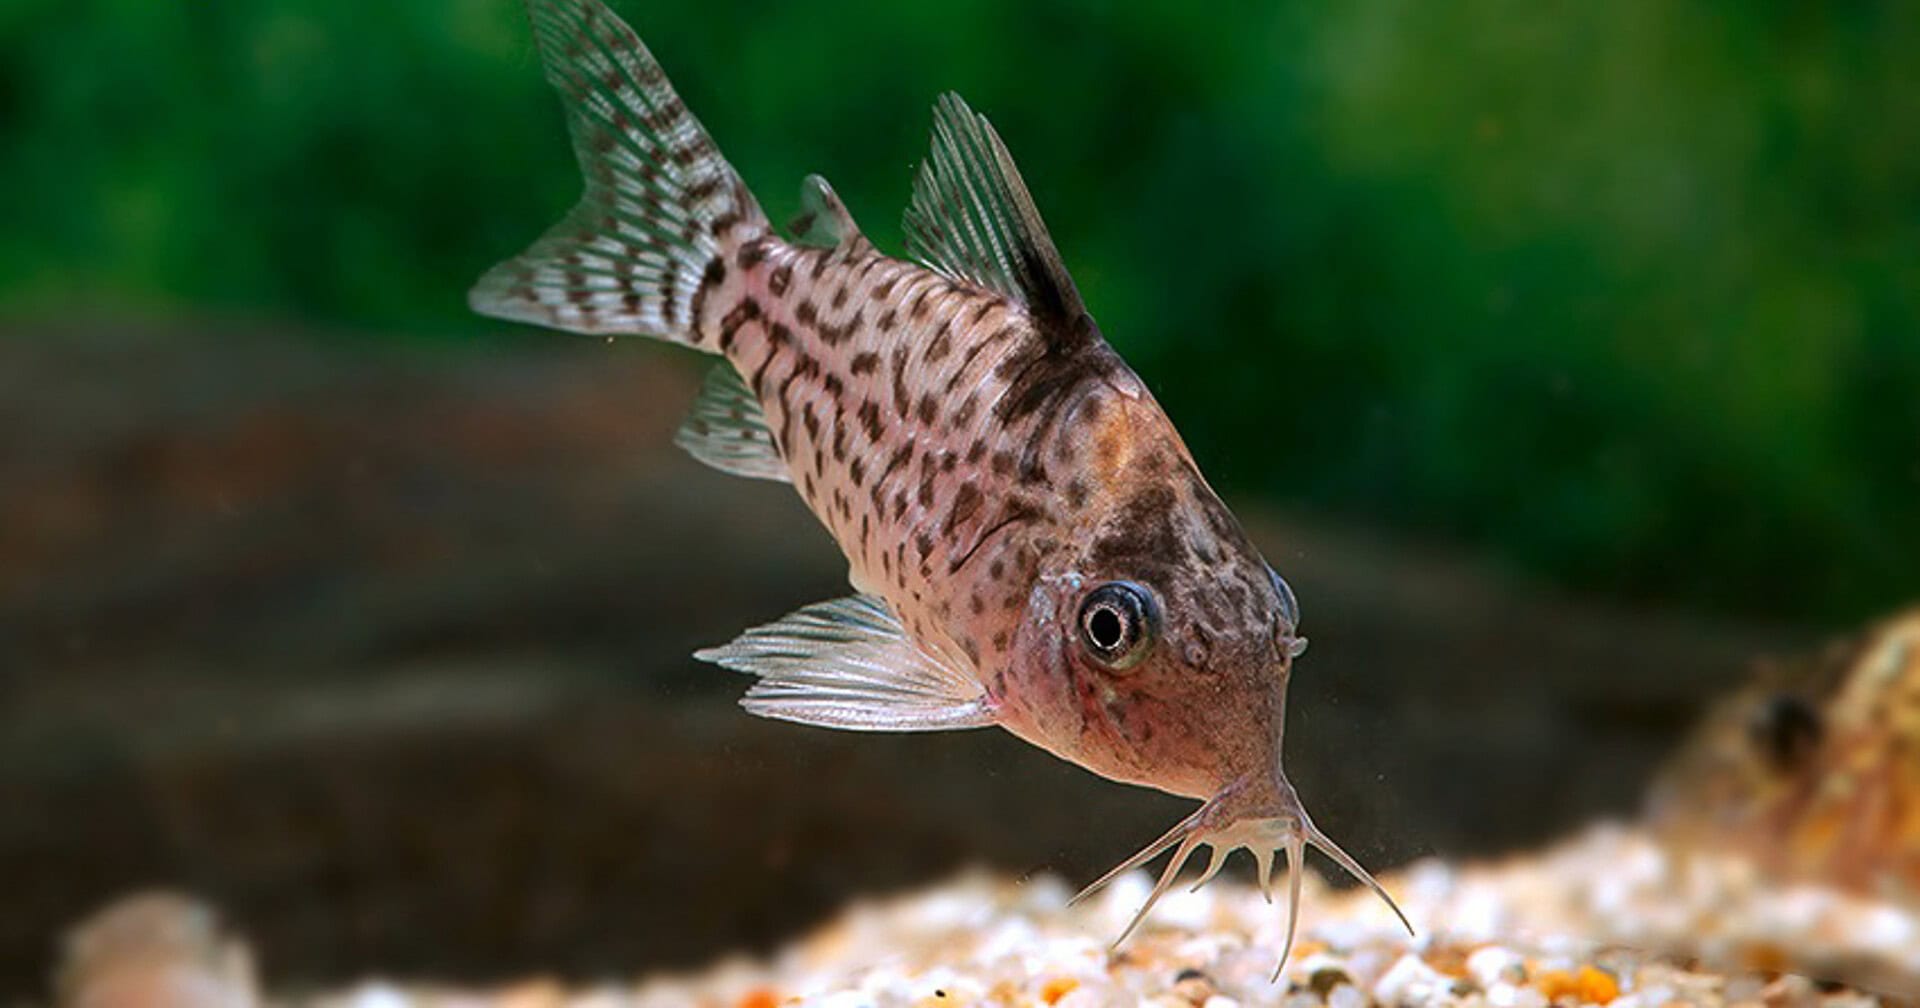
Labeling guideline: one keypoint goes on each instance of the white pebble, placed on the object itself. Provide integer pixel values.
(1410, 979)
(1346, 996)
(1492, 964)
(1220, 1001)
(1508, 995)
(378, 995)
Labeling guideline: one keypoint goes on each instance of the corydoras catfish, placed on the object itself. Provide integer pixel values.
(1031, 544)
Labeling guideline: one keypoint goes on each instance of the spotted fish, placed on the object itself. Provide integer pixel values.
(1029, 541)
(1812, 772)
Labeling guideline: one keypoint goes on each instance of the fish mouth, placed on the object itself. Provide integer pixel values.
(1265, 820)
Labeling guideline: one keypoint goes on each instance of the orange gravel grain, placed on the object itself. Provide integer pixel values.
(759, 997)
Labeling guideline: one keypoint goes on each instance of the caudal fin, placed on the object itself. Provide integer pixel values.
(661, 207)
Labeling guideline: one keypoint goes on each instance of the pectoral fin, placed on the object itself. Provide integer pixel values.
(849, 664)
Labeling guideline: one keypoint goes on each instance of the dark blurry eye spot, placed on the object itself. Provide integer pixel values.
(1117, 624)
(1785, 729)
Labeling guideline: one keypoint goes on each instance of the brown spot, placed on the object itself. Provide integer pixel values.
(805, 313)
(1143, 531)
(901, 456)
(1000, 640)
(1003, 462)
(882, 291)
(1032, 472)
(839, 297)
(974, 605)
(928, 409)
(923, 543)
(750, 255)
(742, 313)
(888, 319)
(857, 471)
(968, 406)
(926, 492)
(780, 279)
(1077, 492)
(966, 503)
(941, 344)
(699, 191)
(834, 335)
(864, 363)
(710, 280)
(869, 415)
(901, 402)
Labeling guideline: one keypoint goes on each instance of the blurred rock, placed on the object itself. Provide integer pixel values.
(154, 950)
(388, 652)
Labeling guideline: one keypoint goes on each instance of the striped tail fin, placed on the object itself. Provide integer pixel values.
(661, 208)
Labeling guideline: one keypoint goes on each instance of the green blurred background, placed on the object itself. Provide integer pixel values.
(1626, 294)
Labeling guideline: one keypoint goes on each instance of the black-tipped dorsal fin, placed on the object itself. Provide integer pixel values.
(728, 431)
(972, 219)
(824, 221)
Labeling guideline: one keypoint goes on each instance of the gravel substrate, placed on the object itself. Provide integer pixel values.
(1605, 919)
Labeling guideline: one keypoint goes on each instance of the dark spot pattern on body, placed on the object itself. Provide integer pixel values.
(869, 417)
(746, 311)
(710, 281)
(902, 401)
(941, 344)
(966, 503)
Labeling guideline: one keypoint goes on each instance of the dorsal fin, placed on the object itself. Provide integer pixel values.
(972, 219)
(728, 430)
(824, 221)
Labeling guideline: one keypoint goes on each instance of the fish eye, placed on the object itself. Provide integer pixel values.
(1289, 606)
(1117, 624)
(1786, 729)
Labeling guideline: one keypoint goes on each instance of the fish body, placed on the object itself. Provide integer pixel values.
(1031, 544)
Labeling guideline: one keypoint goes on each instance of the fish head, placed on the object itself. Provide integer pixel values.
(1156, 641)
(1158, 659)
(1156, 648)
